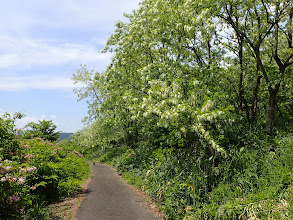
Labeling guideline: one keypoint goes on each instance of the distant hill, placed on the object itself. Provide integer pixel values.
(65, 136)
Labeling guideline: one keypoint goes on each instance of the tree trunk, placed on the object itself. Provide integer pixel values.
(240, 86)
(254, 99)
(272, 107)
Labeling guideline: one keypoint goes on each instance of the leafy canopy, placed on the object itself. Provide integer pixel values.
(44, 129)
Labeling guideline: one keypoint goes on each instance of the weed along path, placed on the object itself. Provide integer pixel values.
(109, 198)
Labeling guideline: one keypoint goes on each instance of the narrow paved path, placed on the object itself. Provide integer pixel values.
(109, 198)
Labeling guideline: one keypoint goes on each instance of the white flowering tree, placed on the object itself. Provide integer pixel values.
(180, 68)
(163, 77)
(190, 90)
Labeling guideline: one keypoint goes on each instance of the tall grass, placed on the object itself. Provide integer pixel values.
(253, 182)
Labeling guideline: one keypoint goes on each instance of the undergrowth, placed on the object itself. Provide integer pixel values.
(251, 183)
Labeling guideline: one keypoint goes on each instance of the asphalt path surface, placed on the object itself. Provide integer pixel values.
(109, 198)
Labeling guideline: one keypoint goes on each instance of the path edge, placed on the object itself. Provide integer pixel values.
(152, 207)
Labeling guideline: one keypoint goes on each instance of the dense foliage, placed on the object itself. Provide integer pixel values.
(44, 129)
(34, 172)
(196, 107)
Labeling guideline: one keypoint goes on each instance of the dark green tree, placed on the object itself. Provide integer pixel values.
(44, 129)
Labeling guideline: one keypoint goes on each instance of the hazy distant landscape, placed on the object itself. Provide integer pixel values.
(65, 136)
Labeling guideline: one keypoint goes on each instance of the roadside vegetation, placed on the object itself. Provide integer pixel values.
(196, 107)
(34, 171)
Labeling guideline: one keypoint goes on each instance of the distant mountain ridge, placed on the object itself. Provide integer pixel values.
(65, 136)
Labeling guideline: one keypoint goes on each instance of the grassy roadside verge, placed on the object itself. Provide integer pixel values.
(66, 209)
(255, 182)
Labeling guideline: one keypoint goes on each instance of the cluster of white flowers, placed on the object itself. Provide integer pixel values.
(181, 108)
(176, 87)
(170, 114)
(146, 113)
(174, 101)
(183, 129)
(199, 129)
(210, 116)
(163, 124)
(188, 28)
(177, 95)
(209, 104)
(196, 82)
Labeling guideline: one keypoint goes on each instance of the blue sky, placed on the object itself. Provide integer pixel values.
(42, 43)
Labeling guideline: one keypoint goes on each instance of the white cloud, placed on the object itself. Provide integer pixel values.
(20, 53)
(19, 83)
(58, 32)
(41, 35)
(62, 14)
(21, 123)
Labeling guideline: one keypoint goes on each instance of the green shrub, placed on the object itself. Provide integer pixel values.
(34, 172)
(15, 189)
(61, 169)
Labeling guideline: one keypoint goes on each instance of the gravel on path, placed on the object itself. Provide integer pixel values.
(109, 198)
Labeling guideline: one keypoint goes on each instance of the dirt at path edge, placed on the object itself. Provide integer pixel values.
(98, 188)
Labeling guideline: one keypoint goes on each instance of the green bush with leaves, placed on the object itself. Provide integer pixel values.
(60, 171)
(43, 129)
(15, 189)
(34, 172)
(9, 145)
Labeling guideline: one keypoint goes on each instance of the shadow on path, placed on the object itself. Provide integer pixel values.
(109, 198)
